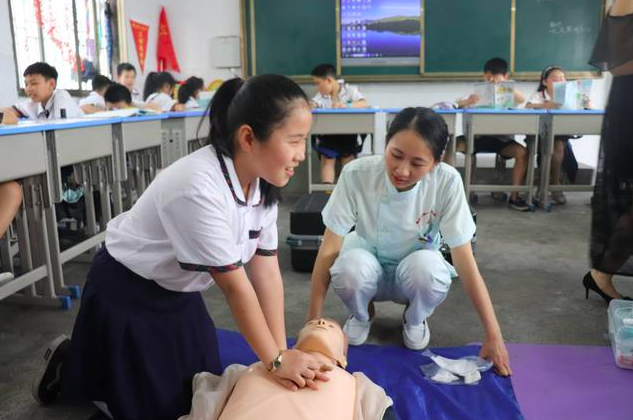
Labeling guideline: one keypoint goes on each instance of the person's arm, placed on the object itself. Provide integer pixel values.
(9, 116)
(466, 102)
(178, 107)
(320, 281)
(621, 8)
(519, 97)
(360, 104)
(543, 105)
(91, 109)
(493, 347)
(298, 367)
(268, 285)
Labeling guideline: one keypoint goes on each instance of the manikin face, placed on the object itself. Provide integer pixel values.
(495, 78)
(554, 76)
(408, 158)
(324, 85)
(127, 79)
(276, 158)
(324, 336)
(38, 88)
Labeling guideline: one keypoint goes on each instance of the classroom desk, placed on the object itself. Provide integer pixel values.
(24, 158)
(501, 122)
(87, 144)
(195, 128)
(138, 154)
(347, 121)
(451, 118)
(564, 122)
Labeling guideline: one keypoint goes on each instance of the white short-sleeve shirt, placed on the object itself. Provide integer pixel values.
(538, 98)
(393, 224)
(348, 93)
(60, 99)
(193, 220)
(164, 101)
(93, 99)
(192, 103)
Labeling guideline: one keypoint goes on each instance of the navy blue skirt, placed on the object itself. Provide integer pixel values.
(136, 346)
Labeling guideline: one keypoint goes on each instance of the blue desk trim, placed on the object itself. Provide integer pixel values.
(576, 111)
(346, 111)
(522, 111)
(140, 118)
(184, 114)
(438, 111)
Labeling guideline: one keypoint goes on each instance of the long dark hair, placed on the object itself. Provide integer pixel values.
(154, 81)
(188, 88)
(428, 124)
(261, 102)
(545, 74)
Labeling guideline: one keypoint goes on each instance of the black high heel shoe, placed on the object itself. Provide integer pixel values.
(589, 283)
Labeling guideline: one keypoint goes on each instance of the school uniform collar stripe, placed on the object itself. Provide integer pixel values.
(228, 171)
(210, 269)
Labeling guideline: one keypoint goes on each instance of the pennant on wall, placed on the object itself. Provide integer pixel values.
(165, 54)
(140, 34)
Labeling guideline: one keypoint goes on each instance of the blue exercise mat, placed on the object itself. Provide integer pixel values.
(397, 370)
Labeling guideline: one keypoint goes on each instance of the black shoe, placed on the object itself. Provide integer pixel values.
(47, 384)
(590, 283)
(518, 204)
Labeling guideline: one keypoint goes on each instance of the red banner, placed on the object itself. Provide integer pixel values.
(165, 54)
(140, 33)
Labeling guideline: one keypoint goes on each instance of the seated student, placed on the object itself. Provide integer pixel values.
(563, 156)
(189, 91)
(158, 90)
(45, 101)
(126, 75)
(244, 393)
(496, 71)
(335, 93)
(94, 101)
(117, 97)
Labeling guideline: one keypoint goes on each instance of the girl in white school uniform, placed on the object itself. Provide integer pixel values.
(399, 204)
(563, 156)
(143, 331)
(158, 90)
(189, 91)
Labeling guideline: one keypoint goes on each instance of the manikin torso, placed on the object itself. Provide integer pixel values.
(258, 395)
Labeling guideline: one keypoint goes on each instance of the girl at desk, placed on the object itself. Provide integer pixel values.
(143, 331)
(563, 156)
(158, 90)
(401, 204)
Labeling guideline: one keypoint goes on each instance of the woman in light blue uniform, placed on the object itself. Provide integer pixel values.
(401, 204)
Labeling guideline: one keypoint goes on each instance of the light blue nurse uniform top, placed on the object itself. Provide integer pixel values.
(392, 224)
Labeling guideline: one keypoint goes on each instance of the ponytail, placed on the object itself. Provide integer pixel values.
(154, 81)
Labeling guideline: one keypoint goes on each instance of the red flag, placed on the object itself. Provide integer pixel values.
(165, 54)
(140, 32)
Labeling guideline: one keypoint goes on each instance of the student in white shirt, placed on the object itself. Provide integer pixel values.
(399, 204)
(94, 102)
(158, 90)
(126, 75)
(143, 331)
(335, 93)
(118, 97)
(45, 101)
(189, 91)
(563, 157)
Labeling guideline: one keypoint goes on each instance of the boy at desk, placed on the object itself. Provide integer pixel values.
(45, 100)
(496, 71)
(335, 93)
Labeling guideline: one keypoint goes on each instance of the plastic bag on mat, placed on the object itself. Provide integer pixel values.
(463, 371)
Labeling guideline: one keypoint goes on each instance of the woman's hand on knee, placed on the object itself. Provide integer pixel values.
(299, 369)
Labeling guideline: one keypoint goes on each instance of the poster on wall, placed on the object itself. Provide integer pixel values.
(140, 34)
(380, 32)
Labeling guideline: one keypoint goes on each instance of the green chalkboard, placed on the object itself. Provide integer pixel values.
(560, 32)
(290, 37)
(461, 35)
(293, 36)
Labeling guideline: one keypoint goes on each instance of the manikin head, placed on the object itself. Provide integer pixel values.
(325, 336)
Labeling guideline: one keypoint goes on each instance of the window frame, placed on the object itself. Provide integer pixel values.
(98, 65)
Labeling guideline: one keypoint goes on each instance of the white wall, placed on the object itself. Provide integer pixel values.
(193, 25)
(8, 83)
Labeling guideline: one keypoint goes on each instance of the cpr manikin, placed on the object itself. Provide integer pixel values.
(249, 393)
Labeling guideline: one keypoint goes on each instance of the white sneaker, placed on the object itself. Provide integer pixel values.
(357, 331)
(416, 337)
(558, 197)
